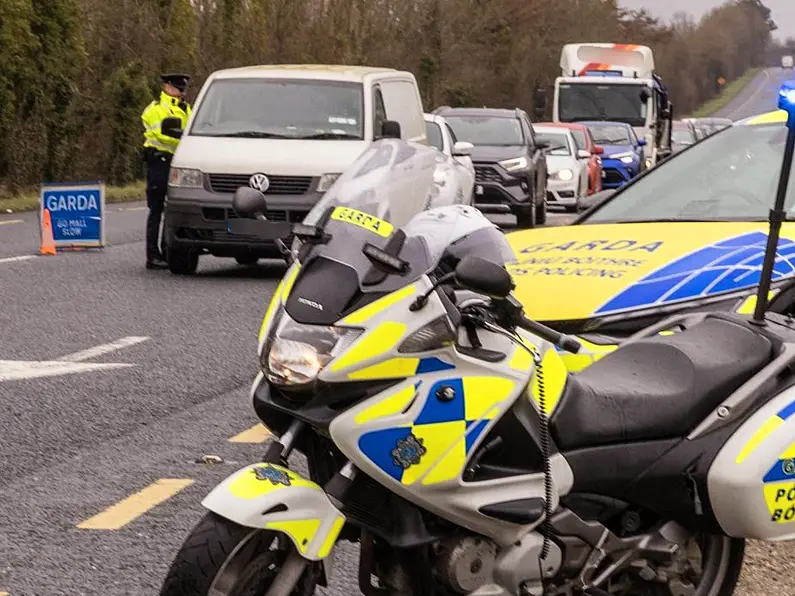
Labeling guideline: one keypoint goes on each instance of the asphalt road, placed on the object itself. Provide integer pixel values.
(115, 381)
(760, 96)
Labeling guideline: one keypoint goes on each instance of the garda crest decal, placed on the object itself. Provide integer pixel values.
(408, 452)
(275, 475)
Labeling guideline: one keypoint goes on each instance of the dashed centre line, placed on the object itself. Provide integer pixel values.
(7, 222)
(14, 260)
(258, 433)
(122, 513)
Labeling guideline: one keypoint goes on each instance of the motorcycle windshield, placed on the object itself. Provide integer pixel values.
(381, 202)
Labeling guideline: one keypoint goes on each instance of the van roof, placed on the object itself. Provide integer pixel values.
(331, 72)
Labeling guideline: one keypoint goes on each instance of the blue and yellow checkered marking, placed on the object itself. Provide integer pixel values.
(764, 431)
(448, 430)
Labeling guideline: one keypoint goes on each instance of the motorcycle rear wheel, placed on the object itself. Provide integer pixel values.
(715, 571)
(222, 558)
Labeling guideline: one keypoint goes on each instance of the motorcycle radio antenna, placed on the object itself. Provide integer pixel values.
(786, 102)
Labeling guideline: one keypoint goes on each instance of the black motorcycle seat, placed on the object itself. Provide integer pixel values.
(660, 387)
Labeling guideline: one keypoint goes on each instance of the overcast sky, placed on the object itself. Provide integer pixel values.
(783, 10)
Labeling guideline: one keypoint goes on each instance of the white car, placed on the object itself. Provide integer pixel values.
(455, 172)
(567, 167)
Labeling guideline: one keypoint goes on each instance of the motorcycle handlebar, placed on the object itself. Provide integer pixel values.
(561, 340)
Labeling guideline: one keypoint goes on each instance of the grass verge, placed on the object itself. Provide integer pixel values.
(113, 194)
(731, 91)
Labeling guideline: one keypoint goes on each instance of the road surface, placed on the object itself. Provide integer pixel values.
(758, 97)
(114, 382)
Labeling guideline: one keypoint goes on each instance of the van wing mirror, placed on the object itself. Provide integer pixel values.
(171, 127)
(462, 149)
(390, 129)
(641, 142)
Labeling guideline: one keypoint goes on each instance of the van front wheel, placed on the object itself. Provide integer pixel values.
(222, 558)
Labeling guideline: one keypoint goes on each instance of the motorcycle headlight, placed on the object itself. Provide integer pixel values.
(297, 353)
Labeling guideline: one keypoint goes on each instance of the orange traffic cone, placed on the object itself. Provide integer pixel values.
(47, 239)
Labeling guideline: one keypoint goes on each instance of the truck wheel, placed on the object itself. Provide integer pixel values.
(182, 261)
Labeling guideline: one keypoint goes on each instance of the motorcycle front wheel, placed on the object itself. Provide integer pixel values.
(222, 558)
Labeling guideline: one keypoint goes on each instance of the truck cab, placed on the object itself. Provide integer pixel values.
(615, 82)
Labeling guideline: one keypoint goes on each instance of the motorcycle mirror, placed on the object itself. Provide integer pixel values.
(484, 277)
(249, 202)
(171, 127)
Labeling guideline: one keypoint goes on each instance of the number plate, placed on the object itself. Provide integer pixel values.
(363, 220)
(478, 190)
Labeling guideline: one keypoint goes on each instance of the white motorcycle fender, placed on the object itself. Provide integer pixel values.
(271, 497)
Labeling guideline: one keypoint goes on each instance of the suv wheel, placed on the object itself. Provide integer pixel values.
(541, 212)
(526, 218)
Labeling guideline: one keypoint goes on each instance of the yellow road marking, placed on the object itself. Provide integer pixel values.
(5, 223)
(134, 506)
(258, 433)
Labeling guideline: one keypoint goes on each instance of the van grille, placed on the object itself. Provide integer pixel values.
(280, 185)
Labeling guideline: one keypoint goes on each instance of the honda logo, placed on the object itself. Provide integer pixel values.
(259, 182)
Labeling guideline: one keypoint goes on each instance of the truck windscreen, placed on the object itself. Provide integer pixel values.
(604, 101)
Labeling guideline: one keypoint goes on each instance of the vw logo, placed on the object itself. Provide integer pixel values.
(259, 182)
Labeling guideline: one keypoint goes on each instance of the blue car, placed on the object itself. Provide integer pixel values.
(622, 159)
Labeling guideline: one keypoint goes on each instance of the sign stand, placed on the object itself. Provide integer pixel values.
(72, 216)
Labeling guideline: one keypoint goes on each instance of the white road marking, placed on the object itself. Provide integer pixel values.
(103, 349)
(17, 370)
(16, 259)
(6, 222)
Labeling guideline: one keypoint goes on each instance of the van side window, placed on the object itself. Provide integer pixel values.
(379, 116)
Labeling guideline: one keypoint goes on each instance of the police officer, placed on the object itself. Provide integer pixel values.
(158, 150)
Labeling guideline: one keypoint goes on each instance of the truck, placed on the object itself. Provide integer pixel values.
(618, 83)
(786, 62)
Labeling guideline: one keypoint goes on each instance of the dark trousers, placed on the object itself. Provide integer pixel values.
(157, 168)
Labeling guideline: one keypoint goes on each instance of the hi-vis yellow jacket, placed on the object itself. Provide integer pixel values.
(153, 116)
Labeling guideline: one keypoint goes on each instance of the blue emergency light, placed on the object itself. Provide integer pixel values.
(786, 101)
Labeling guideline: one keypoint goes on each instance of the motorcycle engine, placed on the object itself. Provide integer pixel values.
(465, 563)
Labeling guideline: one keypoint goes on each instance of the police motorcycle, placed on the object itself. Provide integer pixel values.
(444, 436)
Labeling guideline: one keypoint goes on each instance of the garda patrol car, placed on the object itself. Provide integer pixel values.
(688, 235)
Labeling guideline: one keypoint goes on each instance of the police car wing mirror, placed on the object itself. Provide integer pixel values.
(249, 203)
(641, 142)
(483, 277)
(391, 130)
(171, 127)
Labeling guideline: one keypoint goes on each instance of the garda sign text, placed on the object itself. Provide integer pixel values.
(77, 213)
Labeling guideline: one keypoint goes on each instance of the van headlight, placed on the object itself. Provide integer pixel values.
(325, 182)
(186, 178)
(296, 353)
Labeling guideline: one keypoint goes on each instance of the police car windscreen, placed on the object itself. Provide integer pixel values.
(281, 108)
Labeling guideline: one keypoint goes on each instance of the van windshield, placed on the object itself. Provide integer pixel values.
(281, 109)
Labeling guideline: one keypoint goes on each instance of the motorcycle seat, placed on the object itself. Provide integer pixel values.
(658, 388)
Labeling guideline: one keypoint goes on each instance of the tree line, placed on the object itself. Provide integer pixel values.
(76, 74)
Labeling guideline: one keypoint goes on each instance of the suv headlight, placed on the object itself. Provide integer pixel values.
(564, 175)
(517, 163)
(296, 353)
(326, 180)
(186, 178)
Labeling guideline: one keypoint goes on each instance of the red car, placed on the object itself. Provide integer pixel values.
(584, 139)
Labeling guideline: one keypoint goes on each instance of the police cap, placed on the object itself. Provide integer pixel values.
(178, 80)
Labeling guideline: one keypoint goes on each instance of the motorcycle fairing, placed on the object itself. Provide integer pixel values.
(752, 480)
(418, 436)
(276, 498)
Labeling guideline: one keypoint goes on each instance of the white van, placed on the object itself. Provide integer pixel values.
(786, 62)
(287, 130)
